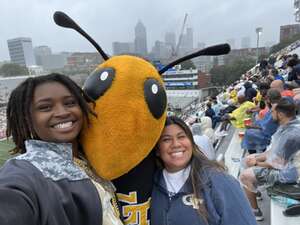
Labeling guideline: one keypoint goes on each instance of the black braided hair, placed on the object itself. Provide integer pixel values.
(18, 114)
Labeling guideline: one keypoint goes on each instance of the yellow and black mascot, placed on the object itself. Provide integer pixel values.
(131, 111)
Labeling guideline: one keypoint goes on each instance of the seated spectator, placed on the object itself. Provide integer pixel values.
(240, 89)
(209, 111)
(278, 85)
(258, 135)
(284, 60)
(272, 60)
(238, 115)
(203, 142)
(216, 106)
(206, 128)
(230, 108)
(295, 56)
(260, 110)
(294, 75)
(274, 73)
(250, 92)
(276, 165)
(261, 106)
(291, 64)
(268, 79)
(263, 65)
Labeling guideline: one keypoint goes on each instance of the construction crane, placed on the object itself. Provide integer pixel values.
(175, 52)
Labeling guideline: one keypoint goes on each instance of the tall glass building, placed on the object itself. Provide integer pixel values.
(140, 41)
(21, 51)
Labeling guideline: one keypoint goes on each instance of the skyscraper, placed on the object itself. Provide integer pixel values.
(170, 39)
(41, 51)
(140, 41)
(161, 50)
(21, 51)
(187, 41)
(122, 47)
(189, 38)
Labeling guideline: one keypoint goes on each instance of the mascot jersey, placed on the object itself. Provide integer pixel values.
(134, 192)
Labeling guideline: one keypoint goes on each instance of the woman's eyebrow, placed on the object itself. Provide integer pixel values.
(49, 98)
(166, 135)
(42, 100)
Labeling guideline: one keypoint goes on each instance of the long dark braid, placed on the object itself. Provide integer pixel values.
(18, 115)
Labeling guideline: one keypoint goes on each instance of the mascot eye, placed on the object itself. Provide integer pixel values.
(98, 82)
(155, 96)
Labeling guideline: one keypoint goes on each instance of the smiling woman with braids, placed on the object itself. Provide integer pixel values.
(45, 184)
(189, 188)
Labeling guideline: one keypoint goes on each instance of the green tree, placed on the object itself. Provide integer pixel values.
(227, 74)
(11, 69)
(188, 64)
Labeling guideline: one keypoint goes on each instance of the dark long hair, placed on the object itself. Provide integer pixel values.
(18, 115)
(199, 163)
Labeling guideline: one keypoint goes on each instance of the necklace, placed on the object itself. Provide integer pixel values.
(175, 181)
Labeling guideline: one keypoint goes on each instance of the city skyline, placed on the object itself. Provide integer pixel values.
(231, 19)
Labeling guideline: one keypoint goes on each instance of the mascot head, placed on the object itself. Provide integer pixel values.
(130, 103)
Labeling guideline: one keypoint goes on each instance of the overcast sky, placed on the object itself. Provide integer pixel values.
(213, 21)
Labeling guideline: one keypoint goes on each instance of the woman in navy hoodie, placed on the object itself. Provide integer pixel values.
(189, 188)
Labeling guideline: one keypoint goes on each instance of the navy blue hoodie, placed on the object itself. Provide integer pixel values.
(223, 197)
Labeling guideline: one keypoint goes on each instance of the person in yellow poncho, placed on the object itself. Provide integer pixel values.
(237, 116)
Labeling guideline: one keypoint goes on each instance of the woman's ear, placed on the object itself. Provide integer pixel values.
(157, 152)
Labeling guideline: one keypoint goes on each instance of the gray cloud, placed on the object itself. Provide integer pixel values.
(213, 21)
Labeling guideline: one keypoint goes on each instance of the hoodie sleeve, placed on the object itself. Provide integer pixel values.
(18, 205)
(230, 201)
(15, 208)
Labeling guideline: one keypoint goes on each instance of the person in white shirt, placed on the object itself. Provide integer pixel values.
(203, 142)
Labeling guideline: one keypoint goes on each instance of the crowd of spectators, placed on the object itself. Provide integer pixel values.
(271, 138)
(264, 103)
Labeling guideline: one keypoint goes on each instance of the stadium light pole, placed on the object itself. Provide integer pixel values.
(258, 33)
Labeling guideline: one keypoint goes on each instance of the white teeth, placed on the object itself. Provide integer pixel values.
(177, 154)
(63, 125)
